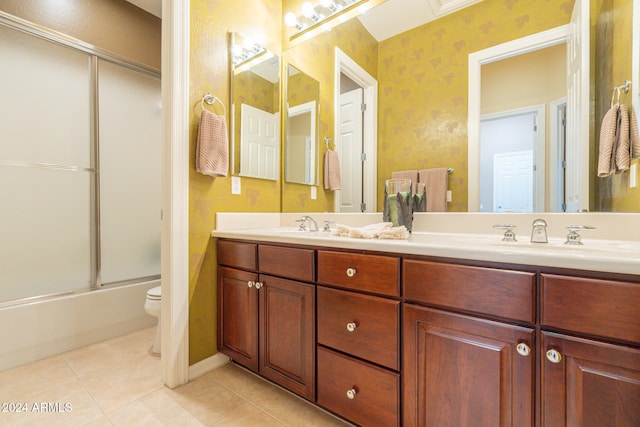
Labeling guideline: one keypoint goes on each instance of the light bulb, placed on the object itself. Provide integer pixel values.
(328, 4)
(308, 10)
(290, 20)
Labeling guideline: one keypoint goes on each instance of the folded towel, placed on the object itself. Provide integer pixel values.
(623, 147)
(634, 136)
(331, 170)
(606, 159)
(436, 182)
(382, 230)
(212, 148)
(410, 174)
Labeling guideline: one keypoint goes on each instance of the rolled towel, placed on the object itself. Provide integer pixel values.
(623, 155)
(382, 230)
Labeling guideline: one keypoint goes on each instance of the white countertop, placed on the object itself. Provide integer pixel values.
(616, 256)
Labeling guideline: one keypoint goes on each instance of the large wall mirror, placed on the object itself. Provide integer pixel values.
(423, 80)
(301, 127)
(255, 109)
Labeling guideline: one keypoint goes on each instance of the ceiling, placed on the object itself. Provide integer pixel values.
(383, 21)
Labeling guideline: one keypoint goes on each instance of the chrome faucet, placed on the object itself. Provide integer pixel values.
(539, 231)
(303, 223)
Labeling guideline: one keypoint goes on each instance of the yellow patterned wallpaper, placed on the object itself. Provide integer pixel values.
(315, 57)
(423, 93)
(210, 22)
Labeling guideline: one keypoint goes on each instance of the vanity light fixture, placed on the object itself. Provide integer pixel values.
(245, 52)
(313, 17)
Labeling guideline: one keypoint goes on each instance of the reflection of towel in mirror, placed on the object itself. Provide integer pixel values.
(623, 157)
(382, 230)
(634, 135)
(436, 181)
(331, 170)
(212, 149)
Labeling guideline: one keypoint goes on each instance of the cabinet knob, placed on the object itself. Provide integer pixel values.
(554, 356)
(351, 326)
(523, 349)
(259, 285)
(351, 272)
(351, 393)
(250, 283)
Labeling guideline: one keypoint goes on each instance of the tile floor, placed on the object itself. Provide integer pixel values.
(117, 383)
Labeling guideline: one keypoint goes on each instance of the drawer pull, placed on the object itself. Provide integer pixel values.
(523, 349)
(351, 326)
(351, 393)
(250, 283)
(351, 272)
(554, 356)
(259, 285)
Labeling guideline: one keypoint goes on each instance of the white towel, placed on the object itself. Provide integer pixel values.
(332, 171)
(382, 230)
(212, 148)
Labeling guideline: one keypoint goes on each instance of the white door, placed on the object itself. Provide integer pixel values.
(577, 143)
(349, 147)
(259, 143)
(513, 182)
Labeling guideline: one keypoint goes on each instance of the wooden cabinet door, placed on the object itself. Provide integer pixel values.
(465, 371)
(238, 316)
(287, 334)
(589, 383)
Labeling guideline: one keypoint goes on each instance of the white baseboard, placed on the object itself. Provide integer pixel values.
(207, 365)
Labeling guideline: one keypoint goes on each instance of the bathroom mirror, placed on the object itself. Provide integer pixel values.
(423, 87)
(301, 129)
(255, 109)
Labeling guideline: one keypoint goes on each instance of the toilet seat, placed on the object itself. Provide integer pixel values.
(154, 293)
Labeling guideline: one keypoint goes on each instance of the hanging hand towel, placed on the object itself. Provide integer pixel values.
(212, 149)
(634, 136)
(436, 182)
(606, 157)
(331, 170)
(623, 157)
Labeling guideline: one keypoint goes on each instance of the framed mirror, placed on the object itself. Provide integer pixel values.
(255, 109)
(301, 127)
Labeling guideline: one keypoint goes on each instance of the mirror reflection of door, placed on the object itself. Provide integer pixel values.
(301, 143)
(510, 145)
(259, 142)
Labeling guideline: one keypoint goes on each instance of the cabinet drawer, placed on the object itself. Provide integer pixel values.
(502, 293)
(605, 308)
(376, 399)
(372, 273)
(238, 254)
(376, 321)
(292, 263)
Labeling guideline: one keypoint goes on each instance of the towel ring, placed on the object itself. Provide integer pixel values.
(211, 99)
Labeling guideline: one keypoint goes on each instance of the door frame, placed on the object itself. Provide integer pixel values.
(506, 50)
(347, 66)
(555, 127)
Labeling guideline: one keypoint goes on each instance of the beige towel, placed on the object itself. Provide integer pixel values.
(212, 148)
(412, 175)
(623, 147)
(436, 182)
(381, 230)
(331, 170)
(606, 162)
(634, 135)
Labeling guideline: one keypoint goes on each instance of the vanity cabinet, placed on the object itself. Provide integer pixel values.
(465, 369)
(267, 323)
(590, 373)
(359, 336)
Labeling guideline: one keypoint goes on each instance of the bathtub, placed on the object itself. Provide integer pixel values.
(37, 330)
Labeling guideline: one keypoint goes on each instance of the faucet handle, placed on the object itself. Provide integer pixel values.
(573, 238)
(302, 222)
(509, 235)
(327, 225)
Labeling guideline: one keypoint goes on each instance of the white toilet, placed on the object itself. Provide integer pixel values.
(152, 306)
